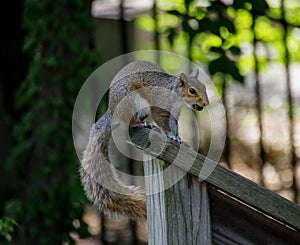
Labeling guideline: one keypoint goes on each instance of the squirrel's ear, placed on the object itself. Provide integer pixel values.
(195, 73)
(182, 80)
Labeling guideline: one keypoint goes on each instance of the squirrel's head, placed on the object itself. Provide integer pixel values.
(193, 91)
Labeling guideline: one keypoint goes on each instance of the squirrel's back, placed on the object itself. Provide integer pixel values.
(136, 75)
(137, 67)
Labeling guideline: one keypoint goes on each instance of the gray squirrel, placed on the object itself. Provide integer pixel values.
(143, 79)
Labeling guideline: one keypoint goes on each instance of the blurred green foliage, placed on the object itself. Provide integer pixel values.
(7, 227)
(221, 34)
(49, 195)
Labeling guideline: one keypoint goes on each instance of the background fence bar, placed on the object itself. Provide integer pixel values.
(290, 103)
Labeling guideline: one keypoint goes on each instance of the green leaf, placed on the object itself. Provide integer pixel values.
(7, 225)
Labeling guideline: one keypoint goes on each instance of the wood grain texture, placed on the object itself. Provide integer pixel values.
(179, 214)
(218, 176)
(235, 223)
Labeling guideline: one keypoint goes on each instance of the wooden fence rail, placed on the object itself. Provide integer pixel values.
(181, 214)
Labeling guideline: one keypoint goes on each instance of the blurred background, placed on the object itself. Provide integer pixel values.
(250, 49)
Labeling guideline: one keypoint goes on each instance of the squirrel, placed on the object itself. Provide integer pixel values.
(139, 78)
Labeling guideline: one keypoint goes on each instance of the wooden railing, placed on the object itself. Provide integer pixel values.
(181, 214)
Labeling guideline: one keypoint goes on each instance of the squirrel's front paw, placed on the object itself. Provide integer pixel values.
(174, 137)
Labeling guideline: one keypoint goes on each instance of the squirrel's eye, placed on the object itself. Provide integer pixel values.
(192, 90)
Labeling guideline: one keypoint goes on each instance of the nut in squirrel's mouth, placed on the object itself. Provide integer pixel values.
(197, 107)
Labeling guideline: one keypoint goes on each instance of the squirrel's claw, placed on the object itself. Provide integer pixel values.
(177, 139)
(174, 137)
(149, 125)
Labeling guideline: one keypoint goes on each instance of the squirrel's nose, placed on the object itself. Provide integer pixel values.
(204, 102)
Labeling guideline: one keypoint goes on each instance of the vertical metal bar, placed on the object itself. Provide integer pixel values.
(123, 29)
(226, 152)
(156, 33)
(290, 102)
(133, 227)
(103, 230)
(258, 105)
(189, 52)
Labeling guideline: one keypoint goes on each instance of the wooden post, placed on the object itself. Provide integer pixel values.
(179, 214)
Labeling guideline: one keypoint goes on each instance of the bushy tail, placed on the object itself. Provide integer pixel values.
(100, 182)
